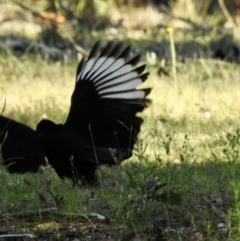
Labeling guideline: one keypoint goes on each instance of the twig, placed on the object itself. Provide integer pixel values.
(44, 50)
(64, 214)
(27, 235)
(214, 209)
(85, 216)
(225, 12)
(187, 20)
(29, 213)
(75, 45)
(68, 36)
(52, 211)
(34, 12)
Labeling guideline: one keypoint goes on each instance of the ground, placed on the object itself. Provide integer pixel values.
(182, 182)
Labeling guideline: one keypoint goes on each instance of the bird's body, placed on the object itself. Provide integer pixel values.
(22, 148)
(101, 127)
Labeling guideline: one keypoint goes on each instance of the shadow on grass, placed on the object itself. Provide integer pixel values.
(147, 199)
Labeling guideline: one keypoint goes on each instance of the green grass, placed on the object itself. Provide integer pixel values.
(183, 180)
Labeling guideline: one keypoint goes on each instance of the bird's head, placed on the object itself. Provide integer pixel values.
(47, 125)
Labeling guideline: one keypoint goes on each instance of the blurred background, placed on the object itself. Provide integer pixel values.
(59, 29)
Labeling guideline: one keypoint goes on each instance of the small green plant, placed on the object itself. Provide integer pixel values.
(150, 199)
(232, 146)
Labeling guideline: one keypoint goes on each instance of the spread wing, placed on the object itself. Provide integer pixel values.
(105, 100)
(21, 147)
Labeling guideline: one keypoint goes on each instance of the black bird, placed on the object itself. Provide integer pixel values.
(101, 127)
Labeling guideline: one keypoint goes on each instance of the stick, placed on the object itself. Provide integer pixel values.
(29, 213)
(27, 235)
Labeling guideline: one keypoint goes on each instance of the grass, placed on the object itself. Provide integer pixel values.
(181, 183)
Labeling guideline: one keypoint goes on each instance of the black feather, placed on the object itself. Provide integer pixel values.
(101, 127)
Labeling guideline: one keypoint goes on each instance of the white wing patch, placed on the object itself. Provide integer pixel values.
(137, 94)
(119, 72)
(122, 87)
(87, 67)
(113, 77)
(114, 67)
(101, 71)
(129, 81)
(97, 65)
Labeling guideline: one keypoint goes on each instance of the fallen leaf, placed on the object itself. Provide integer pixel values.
(48, 226)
